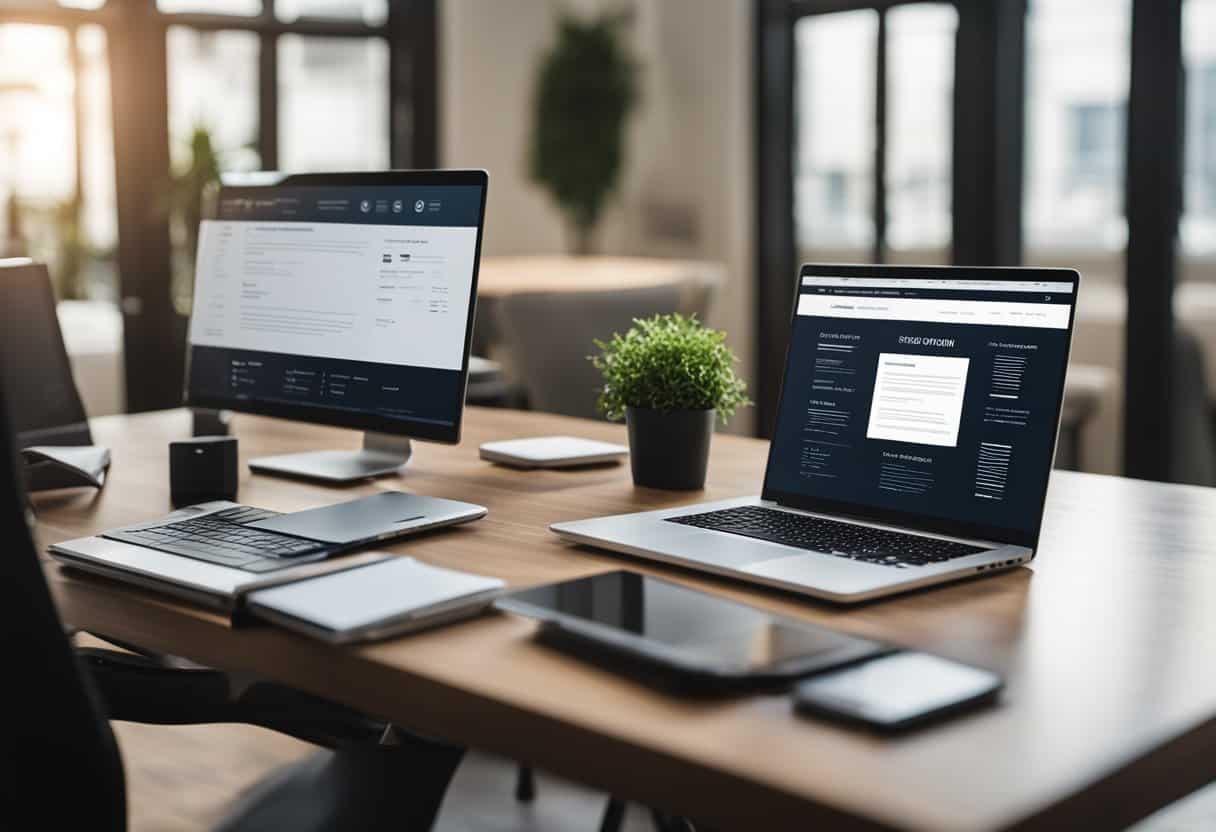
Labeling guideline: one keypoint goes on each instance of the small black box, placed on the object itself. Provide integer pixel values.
(202, 469)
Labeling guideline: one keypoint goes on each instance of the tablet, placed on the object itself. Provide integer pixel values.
(551, 452)
(675, 636)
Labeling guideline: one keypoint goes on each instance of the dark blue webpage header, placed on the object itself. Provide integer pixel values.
(436, 205)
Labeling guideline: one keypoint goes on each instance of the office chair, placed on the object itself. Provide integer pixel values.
(35, 370)
(62, 765)
(1193, 449)
(549, 335)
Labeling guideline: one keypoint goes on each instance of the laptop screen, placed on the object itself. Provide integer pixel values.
(924, 397)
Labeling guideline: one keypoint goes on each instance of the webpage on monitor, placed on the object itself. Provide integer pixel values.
(353, 298)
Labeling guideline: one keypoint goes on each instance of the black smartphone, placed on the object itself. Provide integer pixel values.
(897, 691)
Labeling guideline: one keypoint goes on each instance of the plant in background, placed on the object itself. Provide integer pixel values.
(585, 91)
(669, 363)
(188, 189)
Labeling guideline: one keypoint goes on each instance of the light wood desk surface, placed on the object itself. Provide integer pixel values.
(1107, 644)
(506, 275)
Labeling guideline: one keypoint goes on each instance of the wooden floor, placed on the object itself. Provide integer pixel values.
(180, 779)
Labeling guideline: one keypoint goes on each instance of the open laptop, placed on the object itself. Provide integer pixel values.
(914, 439)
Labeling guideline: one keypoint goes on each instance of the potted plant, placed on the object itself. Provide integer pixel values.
(586, 88)
(669, 377)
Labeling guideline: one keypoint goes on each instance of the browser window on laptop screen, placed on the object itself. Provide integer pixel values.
(927, 397)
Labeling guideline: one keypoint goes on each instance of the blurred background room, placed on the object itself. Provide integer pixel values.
(739, 139)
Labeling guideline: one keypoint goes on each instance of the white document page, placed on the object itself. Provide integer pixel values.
(389, 294)
(918, 398)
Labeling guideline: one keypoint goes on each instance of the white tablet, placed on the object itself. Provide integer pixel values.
(552, 452)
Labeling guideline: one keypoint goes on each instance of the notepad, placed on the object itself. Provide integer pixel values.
(388, 598)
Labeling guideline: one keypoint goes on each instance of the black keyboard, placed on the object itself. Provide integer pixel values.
(224, 539)
(846, 540)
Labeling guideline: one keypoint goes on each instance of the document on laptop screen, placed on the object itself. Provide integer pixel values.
(930, 397)
(918, 398)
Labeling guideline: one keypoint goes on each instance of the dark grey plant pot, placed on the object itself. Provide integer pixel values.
(669, 449)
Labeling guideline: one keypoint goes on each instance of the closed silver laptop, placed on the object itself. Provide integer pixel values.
(914, 440)
(215, 553)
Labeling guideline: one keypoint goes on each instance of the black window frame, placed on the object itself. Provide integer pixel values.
(989, 120)
(986, 144)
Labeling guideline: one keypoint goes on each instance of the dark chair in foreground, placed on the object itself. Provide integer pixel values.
(62, 766)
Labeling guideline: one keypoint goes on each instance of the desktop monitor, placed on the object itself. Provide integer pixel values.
(340, 299)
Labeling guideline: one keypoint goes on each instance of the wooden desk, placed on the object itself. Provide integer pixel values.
(1107, 644)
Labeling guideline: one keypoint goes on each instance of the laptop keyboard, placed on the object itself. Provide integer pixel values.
(222, 538)
(846, 540)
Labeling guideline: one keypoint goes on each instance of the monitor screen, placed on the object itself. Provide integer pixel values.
(925, 397)
(342, 299)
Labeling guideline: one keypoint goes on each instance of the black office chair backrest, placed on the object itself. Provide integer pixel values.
(61, 768)
(1192, 445)
(34, 366)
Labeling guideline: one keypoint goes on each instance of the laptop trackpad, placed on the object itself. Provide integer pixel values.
(357, 520)
(731, 551)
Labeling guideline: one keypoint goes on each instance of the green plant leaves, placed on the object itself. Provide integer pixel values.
(669, 362)
(586, 87)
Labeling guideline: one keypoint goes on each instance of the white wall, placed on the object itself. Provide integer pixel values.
(690, 143)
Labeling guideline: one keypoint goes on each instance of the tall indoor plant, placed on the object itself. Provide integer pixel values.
(669, 377)
(586, 88)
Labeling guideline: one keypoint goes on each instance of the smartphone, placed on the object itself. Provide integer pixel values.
(897, 691)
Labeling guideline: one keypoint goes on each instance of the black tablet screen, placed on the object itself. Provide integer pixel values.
(700, 628)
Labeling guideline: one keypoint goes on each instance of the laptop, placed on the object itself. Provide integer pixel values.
(214, 553)
(914, 438)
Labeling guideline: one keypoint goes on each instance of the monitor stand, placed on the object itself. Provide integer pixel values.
(382, 454)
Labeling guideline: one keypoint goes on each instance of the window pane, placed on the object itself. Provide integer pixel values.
(835, 56)
(98, 219)
(245, 8)
(39, 199)
(36, 121)
(333, 104)
(920, 104)
(371, 12)
(213, 127)
(1199, 217)
(213, 86)
(1077, 78)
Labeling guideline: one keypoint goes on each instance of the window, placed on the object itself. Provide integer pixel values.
(1096, 144)
(371, 12)
(56, 178)
(1078, 65)
(333, 104)
(213, 87)
(301, 84)
(1198, 229)
(834, 145)
(838, 145)
(920, 108)
(245, 8)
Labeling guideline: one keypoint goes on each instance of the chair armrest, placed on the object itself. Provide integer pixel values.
(136, 688)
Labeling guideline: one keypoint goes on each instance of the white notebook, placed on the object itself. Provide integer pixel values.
(383, 599)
